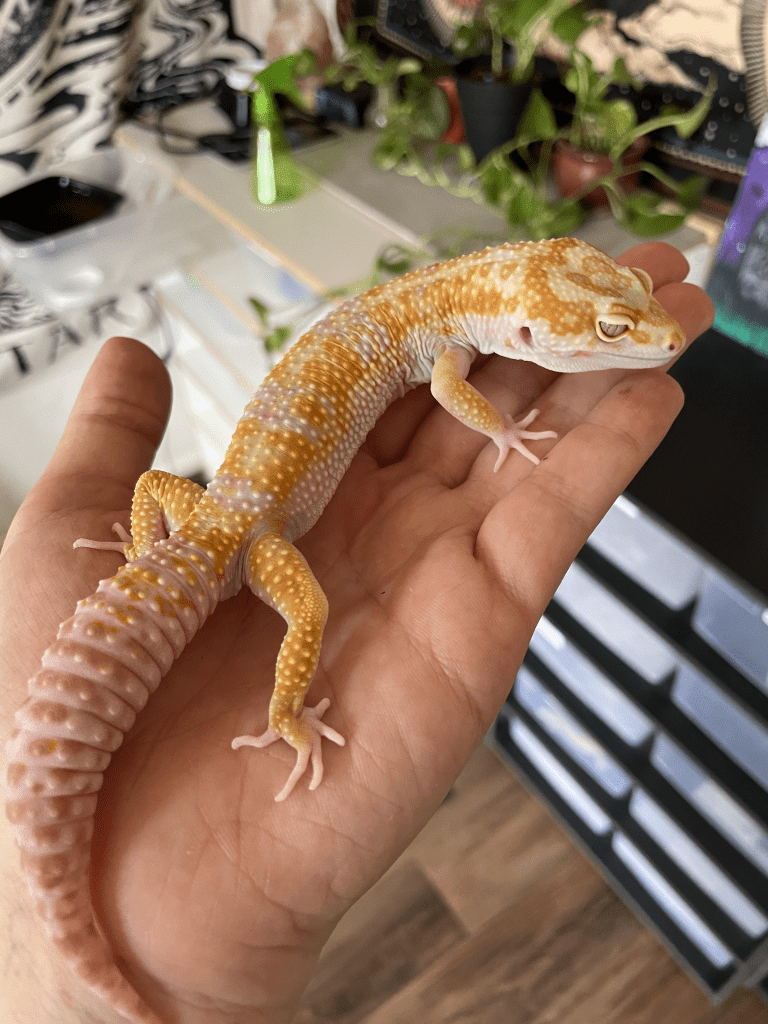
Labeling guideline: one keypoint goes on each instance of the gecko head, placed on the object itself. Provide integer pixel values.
(583, 311)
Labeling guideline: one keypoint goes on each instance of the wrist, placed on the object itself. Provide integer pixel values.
(36, 986)
(39, 986)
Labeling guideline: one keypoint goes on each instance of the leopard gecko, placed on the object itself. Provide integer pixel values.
(559, 303)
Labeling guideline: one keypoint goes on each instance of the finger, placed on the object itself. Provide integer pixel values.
(113, 430)
(662, 261)
(109, 439)
(691, 307)
(542, 523)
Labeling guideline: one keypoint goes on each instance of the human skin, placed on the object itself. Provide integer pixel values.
(218, 900)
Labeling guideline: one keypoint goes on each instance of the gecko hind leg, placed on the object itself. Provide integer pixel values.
(278, 573)
(126, 540)
(161, 503)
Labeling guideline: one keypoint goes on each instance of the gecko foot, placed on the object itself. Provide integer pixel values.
(107, 545)
(306, 741)
(513, 436)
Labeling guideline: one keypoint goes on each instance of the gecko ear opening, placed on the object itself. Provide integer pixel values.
(643, 278)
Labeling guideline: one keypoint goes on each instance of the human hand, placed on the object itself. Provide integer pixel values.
(436, 570)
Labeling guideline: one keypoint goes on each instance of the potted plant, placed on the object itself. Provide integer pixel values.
(605, 140)
(410, 110)
(598, 126)
(521, 187)
(495, 79)
(360, 63)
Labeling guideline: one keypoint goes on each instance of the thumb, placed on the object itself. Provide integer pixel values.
(113, 430)
(109, 440)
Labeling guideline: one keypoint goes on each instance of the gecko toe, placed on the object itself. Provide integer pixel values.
(306, 739)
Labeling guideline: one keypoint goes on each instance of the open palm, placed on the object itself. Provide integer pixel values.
(436, 571)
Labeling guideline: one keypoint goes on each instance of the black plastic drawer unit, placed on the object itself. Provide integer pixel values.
(640, 716)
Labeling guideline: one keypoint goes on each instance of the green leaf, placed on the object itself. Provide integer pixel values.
(423, 111)
(619, 118)
(650, 227)
(538, 120)
(524, 204)
(305, 63)
(510, 18)
(620, 74)
(523, 15)
(408, 66)
(571, 80)
(583, 80)
(389, 151)
(395, 259)
(470, 40)
(274, 341)
(260, 309)
(641, 213)
(560, 218)
(280, 76)
(570, 24)
(499, 179)
(465, 157)
(690, 192)
(686, 124)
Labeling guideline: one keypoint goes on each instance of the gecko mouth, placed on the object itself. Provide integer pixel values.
(645, 358)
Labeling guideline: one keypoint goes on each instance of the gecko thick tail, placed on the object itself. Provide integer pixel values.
(94, 679)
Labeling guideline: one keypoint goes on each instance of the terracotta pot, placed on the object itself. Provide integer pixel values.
(455, 130)
(575, 169)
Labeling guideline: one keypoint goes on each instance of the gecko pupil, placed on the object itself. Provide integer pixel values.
(613, 330)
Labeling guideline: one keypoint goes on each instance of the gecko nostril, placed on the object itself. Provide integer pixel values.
(525, 336)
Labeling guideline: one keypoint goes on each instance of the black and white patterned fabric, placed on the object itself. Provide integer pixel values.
(67, 69)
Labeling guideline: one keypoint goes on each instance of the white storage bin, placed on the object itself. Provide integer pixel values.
(614, 625)
(673, 905)
(649, 554)
(734, 624)
(152, 230)
(594, 689)
(568, 732)
(740, 736)
(695, 863)
(712, 801)
(559, 778)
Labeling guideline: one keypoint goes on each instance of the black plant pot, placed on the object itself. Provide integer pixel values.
(490, 109)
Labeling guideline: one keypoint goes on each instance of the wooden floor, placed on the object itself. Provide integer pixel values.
(493, 916)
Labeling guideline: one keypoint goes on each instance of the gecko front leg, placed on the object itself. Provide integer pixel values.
(466, 404)
(279, 575)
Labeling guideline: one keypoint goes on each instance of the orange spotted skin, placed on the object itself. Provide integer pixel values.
(559, 303)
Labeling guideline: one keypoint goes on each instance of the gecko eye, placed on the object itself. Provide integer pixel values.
(613, 329)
